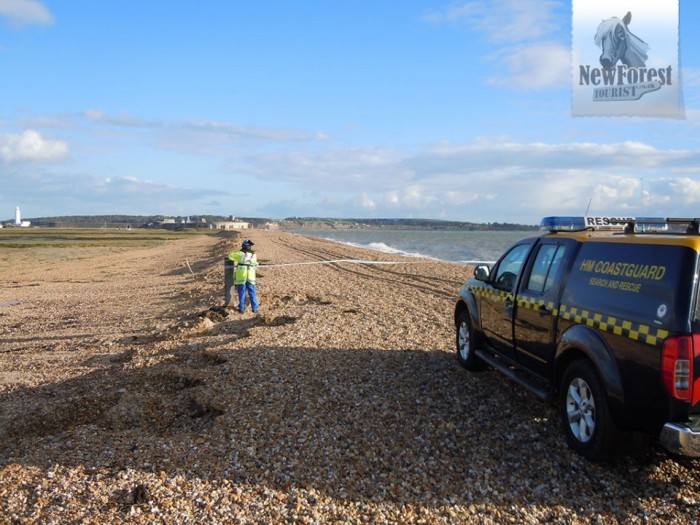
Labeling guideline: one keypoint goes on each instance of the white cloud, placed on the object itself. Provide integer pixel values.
(340, 169)
(25, 12)
(205, 127)
(461, 198)
(690, 76)
(69, 193)
(57, 121)
(493, 179)
(500, 179)
(503, 20)
(536, 66)
(366, 203)
(122, 120)
(524, 35)
(683, 189)
(450, 166)
(414, 197)
(30, 146)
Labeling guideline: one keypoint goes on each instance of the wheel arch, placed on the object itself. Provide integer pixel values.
(582, 342)
(467, 302)
(460, 307)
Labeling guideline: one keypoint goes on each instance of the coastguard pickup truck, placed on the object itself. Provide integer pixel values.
(606, 323)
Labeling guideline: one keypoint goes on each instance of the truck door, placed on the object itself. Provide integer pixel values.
(498, 303)
(534, 320)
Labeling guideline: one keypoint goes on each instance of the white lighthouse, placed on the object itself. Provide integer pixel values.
(18, 220)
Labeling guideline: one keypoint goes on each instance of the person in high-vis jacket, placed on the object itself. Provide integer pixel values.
(245, 261)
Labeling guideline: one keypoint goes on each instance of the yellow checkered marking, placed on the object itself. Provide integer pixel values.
(490, 292)
(605, 323)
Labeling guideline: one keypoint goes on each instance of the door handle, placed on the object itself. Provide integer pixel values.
(543, 310)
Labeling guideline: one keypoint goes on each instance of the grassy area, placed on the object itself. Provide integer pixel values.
(91, 237)
(39, 246)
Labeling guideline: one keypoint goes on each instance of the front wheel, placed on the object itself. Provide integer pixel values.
(465, 344)
(589, 428)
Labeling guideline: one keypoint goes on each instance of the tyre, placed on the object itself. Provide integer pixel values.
(585, 416)
(465, 344)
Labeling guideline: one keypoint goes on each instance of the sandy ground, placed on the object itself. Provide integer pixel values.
(129, 394)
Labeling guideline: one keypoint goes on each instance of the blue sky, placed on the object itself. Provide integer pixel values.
(457, 110)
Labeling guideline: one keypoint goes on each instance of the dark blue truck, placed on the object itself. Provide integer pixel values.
(606, 324)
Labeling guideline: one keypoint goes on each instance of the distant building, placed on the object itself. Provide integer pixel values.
(231, 225)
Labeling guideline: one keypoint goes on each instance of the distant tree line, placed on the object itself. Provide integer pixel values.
(144, 221)
(115, 221)
(405, 224)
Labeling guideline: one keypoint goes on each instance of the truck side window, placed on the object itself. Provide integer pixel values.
(544, 268)
(554, 267)
(508, 269)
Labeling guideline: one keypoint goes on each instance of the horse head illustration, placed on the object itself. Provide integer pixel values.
(618, 43)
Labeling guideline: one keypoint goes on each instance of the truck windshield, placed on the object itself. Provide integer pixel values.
(509, 267)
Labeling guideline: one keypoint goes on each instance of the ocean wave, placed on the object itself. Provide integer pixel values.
(477, 263)
(382, 247)
(461, 247)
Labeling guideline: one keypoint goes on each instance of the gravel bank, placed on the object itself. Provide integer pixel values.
(128, 395)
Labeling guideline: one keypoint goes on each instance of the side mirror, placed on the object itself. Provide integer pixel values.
(481, 272)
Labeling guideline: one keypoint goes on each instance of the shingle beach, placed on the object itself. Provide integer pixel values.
(129, 394)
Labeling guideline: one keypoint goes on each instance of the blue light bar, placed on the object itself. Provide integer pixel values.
(600, 223)
(563, 223)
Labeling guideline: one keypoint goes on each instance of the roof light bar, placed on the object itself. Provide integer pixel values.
(602, 223)
(563, 223)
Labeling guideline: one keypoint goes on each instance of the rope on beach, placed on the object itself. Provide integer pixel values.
(16, 301)
(351, 261)
(356, 261)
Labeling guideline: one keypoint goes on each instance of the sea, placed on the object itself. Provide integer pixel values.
(465, 247)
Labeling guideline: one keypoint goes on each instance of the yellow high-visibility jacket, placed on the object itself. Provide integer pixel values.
(245, 266)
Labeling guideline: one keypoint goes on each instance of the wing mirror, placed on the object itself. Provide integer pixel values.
(481, 272)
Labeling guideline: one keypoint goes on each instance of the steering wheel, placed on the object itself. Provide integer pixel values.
(506, 279)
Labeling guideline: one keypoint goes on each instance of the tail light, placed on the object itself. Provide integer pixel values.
(677, 363)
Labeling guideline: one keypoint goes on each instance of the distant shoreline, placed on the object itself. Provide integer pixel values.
(399, 224)
(289, 223)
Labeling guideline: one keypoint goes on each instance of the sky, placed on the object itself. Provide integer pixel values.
(456, 110)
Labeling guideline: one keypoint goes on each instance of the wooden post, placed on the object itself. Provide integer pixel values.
(228, 280)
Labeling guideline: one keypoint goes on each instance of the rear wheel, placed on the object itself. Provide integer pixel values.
(583, 407)
(465, 344)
